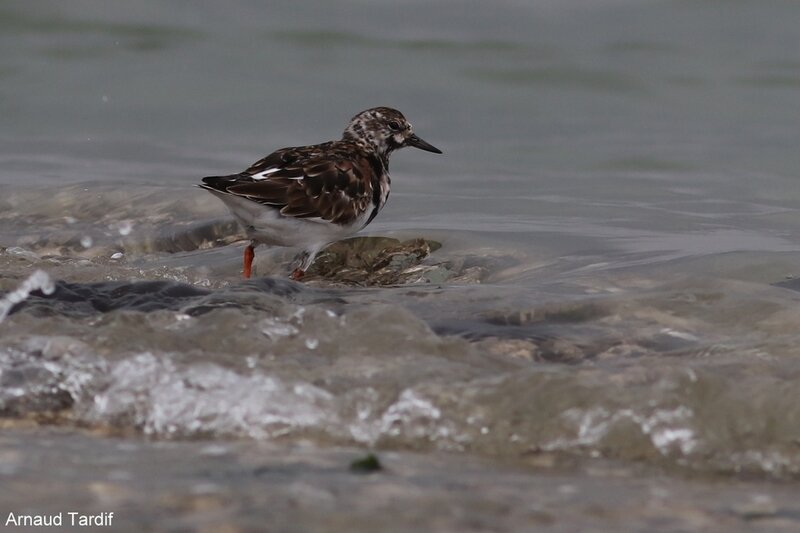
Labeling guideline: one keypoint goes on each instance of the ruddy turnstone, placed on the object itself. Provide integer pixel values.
(311, 196)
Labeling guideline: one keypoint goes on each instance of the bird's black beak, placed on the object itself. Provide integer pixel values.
(416, 142)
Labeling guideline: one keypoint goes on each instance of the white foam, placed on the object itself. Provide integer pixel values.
(38, 281)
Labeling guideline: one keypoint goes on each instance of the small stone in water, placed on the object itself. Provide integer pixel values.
(366, 465)
(117, 255)
(86, 241)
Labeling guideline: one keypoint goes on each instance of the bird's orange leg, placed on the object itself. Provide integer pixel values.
(249, 254)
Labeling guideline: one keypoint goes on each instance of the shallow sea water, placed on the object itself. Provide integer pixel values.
(601, 333)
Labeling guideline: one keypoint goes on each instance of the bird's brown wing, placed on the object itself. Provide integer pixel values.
(322, 181)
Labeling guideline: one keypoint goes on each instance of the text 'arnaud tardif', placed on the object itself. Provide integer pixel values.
(69, 518)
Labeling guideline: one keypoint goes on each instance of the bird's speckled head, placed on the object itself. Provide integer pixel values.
(382, 130)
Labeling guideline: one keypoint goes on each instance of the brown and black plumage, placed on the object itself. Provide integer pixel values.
(310, 196)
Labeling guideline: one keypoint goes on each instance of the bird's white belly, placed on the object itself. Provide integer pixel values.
(268, 226)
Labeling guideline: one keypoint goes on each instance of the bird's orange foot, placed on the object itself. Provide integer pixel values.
(298, 274)
(247, 263)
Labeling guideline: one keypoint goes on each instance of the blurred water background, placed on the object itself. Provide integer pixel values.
(606, 339)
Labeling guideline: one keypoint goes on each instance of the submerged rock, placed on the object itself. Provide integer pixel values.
(381, 261)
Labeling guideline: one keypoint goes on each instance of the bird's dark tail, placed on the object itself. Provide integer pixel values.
(220, 183)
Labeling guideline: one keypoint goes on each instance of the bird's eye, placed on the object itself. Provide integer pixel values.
(394, 126)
